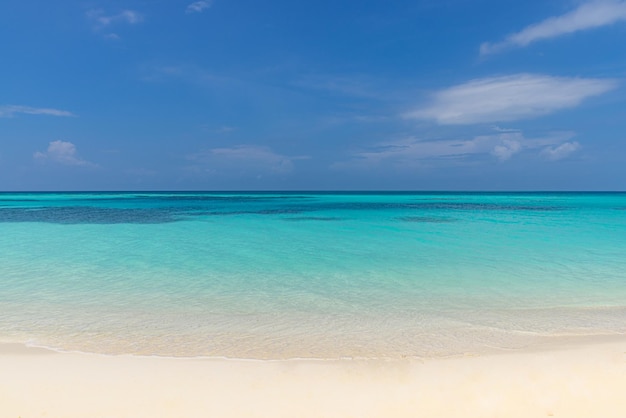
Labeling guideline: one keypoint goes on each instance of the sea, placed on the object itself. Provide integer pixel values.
(324, 275)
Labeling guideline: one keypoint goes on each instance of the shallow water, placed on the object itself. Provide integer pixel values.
(269, 275)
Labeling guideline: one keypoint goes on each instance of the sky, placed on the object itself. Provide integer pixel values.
(312, 95)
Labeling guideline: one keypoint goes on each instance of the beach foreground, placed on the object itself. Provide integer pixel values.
(574, 380)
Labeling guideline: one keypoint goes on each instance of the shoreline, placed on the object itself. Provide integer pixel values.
(539, 344)
(577, 379)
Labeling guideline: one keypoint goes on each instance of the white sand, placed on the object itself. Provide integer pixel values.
(584, 381)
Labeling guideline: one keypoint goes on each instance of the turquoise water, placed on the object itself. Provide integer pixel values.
(273, 275)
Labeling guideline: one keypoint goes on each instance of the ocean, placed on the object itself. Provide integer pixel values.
(309, 275)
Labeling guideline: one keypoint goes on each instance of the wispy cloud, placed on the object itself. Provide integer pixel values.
(198, 6)
(508, 98)
(62, 152)
(353, 85)
(225, 129)
(186, 73)
(112, 36)
(103, 20)
(589, 15)
(10, 111)
(414, 152)
(506, 148)
(244, 158)
(561, 151)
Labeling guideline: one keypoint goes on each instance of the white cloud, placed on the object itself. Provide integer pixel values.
(243, 158)
(508, 98)
(561, 151)
(101, 20)
(198, 6)
(592, 14)
(12, 110)
(62, 152)
(505, 150)
(412, 152)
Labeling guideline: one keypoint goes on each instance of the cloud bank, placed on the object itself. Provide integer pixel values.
(508, 98)
(413, 152)
(12, 110)
(589, 15)
(62, 152)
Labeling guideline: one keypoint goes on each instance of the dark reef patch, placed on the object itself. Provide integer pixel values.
(313, 218)
(427, 219)
(87, 215)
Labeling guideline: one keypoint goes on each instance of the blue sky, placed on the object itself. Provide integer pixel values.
(324, 95)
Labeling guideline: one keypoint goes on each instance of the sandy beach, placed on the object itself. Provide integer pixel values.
(576, 379)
